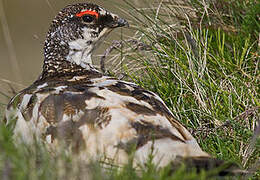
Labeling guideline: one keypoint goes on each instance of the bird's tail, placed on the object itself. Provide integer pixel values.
(212, 166)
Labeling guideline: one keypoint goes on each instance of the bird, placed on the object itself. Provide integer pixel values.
(73, 105)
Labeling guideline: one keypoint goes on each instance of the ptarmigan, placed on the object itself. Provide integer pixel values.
(72, 103)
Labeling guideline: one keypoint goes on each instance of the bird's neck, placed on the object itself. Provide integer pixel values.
(61, 58)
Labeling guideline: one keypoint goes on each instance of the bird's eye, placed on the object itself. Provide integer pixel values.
(88, 18)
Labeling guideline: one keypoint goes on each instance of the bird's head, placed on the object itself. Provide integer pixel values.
(75, 32)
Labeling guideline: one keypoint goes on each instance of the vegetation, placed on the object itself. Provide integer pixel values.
(202, 59)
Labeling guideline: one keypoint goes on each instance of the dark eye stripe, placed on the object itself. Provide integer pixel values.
(105, 19)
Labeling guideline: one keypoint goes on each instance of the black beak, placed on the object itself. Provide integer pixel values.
(122, 22)
(118, 22)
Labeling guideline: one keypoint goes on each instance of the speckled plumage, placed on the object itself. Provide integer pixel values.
(94, 115)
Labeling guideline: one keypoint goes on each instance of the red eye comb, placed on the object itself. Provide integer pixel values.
(94, 13)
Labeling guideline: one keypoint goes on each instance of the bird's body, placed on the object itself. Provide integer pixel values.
(96, 115)
(93, 115)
